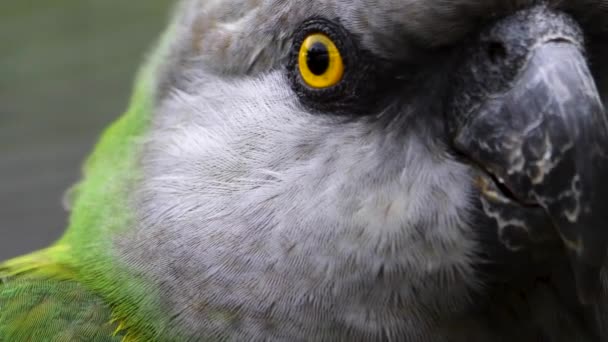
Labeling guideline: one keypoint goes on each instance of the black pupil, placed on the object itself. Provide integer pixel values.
(318, 58)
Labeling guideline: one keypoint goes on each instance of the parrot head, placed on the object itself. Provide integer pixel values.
(362, 165)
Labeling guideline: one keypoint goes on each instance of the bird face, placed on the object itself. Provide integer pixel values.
(350, 159)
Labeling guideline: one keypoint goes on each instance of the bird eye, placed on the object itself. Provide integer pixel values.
(330, 72)
(320, 62)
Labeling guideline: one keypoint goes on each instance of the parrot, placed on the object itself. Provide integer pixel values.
(342, 170)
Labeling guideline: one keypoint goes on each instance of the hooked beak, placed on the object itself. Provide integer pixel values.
(545, 139)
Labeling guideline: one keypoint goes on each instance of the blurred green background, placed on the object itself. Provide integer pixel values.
(66, 71)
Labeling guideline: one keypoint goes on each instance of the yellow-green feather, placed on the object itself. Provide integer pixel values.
(40, 300)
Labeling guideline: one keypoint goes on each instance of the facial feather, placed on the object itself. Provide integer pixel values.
(259, 197)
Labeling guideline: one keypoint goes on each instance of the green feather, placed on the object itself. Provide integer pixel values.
(78, 289)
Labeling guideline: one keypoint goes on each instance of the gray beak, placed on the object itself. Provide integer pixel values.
(544, 135)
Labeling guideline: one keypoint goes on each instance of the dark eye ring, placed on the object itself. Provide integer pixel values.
(329, 71)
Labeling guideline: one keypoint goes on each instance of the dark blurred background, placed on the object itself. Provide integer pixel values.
(66, 71)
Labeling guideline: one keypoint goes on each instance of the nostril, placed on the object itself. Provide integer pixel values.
(496, 51)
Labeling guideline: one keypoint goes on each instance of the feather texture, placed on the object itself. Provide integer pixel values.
(40, 301)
